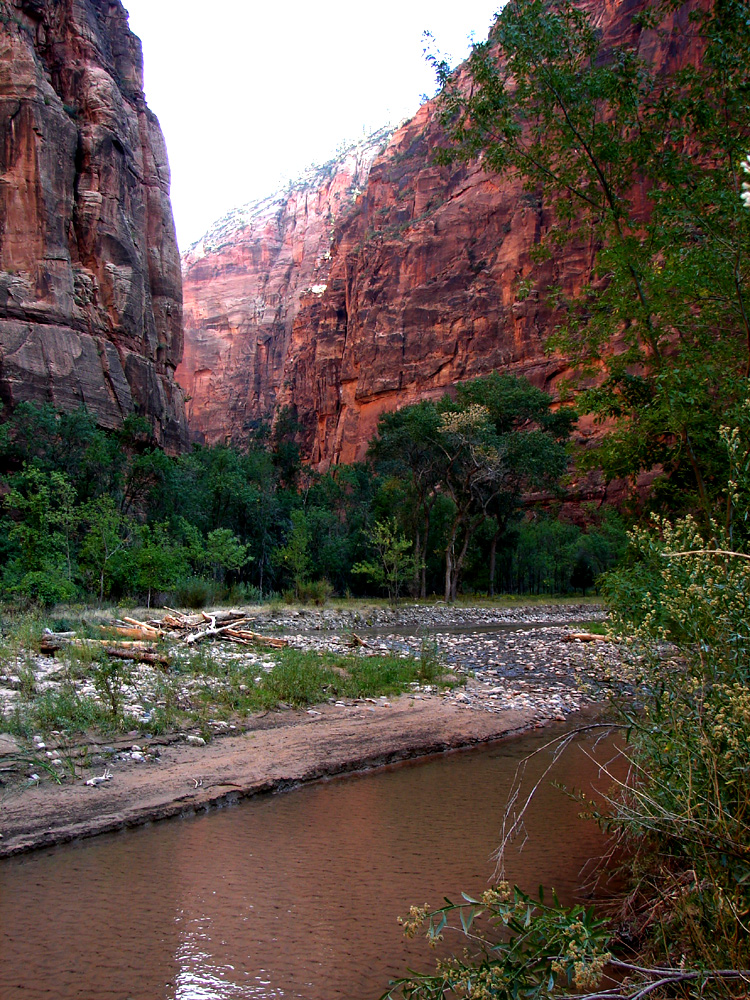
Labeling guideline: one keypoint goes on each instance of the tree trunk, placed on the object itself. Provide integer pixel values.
(423, 557)
(459, 563)
(449, 560)
(493, 561)
(448, 571)
(417, 563)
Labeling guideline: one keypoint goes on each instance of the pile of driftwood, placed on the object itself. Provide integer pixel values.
(229, 625)
(139, 637)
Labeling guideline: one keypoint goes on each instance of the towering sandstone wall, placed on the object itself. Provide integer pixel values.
(90, 283)
(243, 284)
(430, 282)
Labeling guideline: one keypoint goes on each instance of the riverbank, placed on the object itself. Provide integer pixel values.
(277, 751)
(522, 668)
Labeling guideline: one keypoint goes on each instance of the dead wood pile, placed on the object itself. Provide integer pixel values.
(139, 637)
(190, 629)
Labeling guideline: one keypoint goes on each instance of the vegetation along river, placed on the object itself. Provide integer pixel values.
(294, 895)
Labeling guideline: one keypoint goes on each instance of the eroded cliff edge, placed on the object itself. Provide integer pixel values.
(90, 282)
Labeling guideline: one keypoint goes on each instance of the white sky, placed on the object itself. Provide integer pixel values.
(250, 93)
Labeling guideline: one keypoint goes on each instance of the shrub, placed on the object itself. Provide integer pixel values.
(195, 592)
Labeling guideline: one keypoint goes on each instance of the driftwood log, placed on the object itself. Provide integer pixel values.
(585, 637)
(53, 642)
(138, 637)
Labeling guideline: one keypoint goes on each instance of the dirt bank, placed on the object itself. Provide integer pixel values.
(280, 749)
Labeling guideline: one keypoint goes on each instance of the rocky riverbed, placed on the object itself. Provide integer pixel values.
(505, 658)
(499, 670)
(510, 658)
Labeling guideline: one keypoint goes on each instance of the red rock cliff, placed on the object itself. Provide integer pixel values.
(430, 282)
(90, 284)
(243, 284)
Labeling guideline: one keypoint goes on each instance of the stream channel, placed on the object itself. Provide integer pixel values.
(294, 895)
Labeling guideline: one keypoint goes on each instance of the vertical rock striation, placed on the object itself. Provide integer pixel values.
(424, 291)
(90, 283)
(243, 284)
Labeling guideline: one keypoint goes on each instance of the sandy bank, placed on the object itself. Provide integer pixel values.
(280, 749)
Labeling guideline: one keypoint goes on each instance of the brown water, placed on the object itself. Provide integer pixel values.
(290, 896)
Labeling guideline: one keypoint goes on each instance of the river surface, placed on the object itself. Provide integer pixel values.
(293, 895)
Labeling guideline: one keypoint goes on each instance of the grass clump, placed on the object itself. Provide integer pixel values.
(300, 678)
(63, 710)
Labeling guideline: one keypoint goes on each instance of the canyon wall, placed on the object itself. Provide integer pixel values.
(243, 285)
(90, 282)
(430, 282)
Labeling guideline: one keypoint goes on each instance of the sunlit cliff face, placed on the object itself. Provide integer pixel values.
(422, 279)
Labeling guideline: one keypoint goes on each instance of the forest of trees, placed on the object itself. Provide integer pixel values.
(98, 515)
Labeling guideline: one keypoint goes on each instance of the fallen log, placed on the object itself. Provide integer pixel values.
(357, 640)
(144, 626)
(213, 630)
(586, 637)
(132, 633)
(140, 656)
(139, 651)
(242, 635)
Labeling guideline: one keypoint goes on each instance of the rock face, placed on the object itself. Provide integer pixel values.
(90, 283)
(243, 285)
(424, 292)
(430, 282)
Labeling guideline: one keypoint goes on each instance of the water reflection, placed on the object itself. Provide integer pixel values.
(292, 896)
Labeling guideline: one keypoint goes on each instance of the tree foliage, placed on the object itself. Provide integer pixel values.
(393, 562)
(643, 165)
(478, 450)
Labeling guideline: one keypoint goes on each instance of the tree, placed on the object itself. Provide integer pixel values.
(108, 533)
(393, 564)
(406, 450)
(224, 552)
(295, 555)
(158, 562)
(480, 451)
(44, 522)
(475, 469)
(533, 435)
(644, 165)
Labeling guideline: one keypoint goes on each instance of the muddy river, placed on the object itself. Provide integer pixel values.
(294, 895)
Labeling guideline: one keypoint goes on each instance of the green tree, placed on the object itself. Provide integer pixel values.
(224, 552)
(108, 531)
(42, 530)
(479, 449)
(157, 561)
(406, 450)
(393, 563)
(295, 555)
(645, 165)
